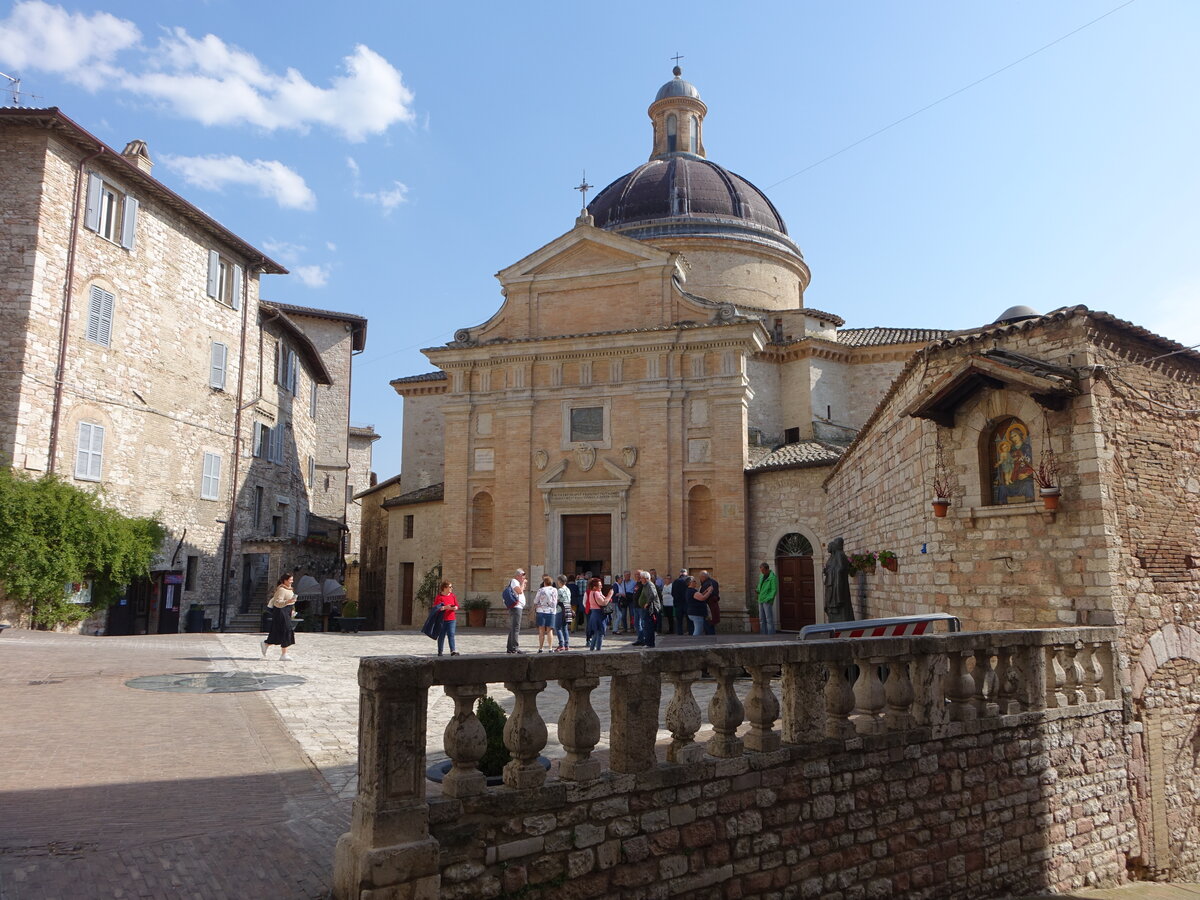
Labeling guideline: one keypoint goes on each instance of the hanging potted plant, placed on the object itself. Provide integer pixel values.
(862, 563)
(888, 560)
(477, 610)
(941, 481)
(1046, 476)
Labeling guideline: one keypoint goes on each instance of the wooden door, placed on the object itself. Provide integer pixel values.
(168, 603)
(587, 543)
(406, 593)
(797, 592)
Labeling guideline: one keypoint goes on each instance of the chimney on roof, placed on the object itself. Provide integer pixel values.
(138, 154)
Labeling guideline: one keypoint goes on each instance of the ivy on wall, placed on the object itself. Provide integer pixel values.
(53, 534)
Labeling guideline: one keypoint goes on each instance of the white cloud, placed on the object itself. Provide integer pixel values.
(388, 198)
(40, 37)
(204, 78)
(352, 165)
(269, 178)
(312, 276)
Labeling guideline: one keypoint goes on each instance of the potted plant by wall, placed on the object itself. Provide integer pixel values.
(350, 620)
(477, 610)
(888, 560)
(751, 615)
(941, 480)
(1046, 476)
(862, 563)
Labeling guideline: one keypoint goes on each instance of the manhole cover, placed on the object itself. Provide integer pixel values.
(213, 682)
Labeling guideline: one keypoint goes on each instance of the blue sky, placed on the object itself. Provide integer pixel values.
(395, 156)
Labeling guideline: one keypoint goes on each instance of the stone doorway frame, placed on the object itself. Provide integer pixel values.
(603, 496)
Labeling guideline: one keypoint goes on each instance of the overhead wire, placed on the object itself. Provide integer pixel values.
(952, 94)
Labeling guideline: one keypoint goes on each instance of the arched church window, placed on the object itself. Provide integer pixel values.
(482, 509)
(701, 514)
(694, 135)
(672, 133)
(794, 544)
(1010, 465)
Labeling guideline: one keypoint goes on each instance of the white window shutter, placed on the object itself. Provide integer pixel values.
(100, 315)
(129, 222)
(214, 273)
(292, 367)
(258, 439)
(235, 298)
(91, 214)
(83, 447)
(217, 360)
(210, 479)
(280, 364)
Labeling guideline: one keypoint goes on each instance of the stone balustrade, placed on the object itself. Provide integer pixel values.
(800, 693)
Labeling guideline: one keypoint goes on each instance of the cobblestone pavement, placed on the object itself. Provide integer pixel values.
(107, 791)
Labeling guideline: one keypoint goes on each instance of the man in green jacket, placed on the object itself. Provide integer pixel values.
(768, 590)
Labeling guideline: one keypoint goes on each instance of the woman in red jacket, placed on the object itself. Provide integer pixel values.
(449, 603)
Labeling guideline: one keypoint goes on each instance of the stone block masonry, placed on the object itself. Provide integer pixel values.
(956, 766)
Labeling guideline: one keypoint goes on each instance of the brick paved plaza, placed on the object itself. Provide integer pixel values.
(107, 791)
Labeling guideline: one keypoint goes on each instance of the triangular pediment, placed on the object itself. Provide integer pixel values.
(584, 250)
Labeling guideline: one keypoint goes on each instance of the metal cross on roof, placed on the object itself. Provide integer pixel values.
(583, 187)
(677, 57)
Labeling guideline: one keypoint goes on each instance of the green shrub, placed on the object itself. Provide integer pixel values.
(350, 610)
(492, 717)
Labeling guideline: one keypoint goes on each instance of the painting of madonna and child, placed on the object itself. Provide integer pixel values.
(1010, 456)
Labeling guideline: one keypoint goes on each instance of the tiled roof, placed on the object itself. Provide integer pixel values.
(881, 337)
(358, 323)
(420, 495)
(821, 314)
(414, 379)
(367, 431)
(377, 487)
(661, 329)
(800, 455)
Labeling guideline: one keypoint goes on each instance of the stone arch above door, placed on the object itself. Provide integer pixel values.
(1169, 642)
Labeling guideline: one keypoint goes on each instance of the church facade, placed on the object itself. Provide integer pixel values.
(653, 392)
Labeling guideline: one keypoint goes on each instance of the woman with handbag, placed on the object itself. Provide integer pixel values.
(596, 605)
(279, 607)
(449, 606)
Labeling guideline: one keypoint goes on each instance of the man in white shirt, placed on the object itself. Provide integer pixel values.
(517, 585)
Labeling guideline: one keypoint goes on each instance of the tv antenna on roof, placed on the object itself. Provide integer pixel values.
(14, 88)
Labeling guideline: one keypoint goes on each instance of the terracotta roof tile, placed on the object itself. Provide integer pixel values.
(882, 337)
(800, 455)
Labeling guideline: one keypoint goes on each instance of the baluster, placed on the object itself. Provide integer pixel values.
(525, 736)
(869, 698)
(898, 691)
(1074, 674)
(683, 719)
(1056, 678)
(579, 730)
(839, 701)
(929, 684)
(465, 741)
(726, 713)
(762, 709)
(984, 677)
(960, 688)
(1007, 682)
(1094, 673)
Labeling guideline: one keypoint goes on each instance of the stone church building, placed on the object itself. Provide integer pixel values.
(653, 391)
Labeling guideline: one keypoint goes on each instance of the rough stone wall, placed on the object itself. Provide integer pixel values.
(1030, 806)
(422, 450)
(359, 453)
(994, 567)
(370, 578)
(719, 273)
(847, 392)
(423, 551)
(782, 502)
(765, 411)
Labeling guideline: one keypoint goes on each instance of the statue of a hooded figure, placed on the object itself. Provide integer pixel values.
(836, 576)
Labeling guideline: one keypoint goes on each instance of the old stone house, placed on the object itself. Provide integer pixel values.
(142, 361)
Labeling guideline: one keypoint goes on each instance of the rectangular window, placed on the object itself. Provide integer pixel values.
(276, 526)
(277, 444)
(293, 364)
(89, 454)
(286, 364)
(224, 280)
(312, 472)
(587, 423)
(258, 506)
(262, 437)
(100, 315)
(216, 366)
(189, 578)
(312, 401)
(210, 481)
(110, 212)
(408, 526)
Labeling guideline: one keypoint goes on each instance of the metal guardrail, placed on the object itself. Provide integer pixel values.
(896, 626)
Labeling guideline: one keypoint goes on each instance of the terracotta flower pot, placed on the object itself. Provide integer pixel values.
(755, 625)
(476, 618)
(891, 564)
(940, 505)
(1050, 498)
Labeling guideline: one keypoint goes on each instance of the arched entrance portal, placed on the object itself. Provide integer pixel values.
(797, 594)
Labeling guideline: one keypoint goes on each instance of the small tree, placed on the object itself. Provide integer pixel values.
(55, 534)
(429, 585)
